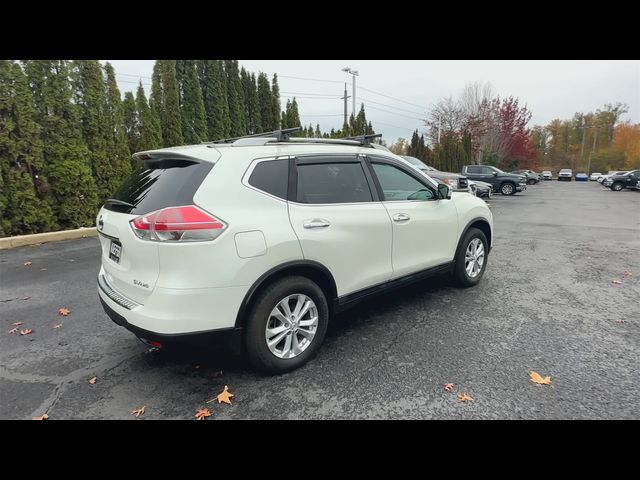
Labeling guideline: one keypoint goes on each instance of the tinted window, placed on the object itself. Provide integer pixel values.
(332, 183)
(272, 177)
(398, 185)
(158, 184)
(474, 169)
(487, 171)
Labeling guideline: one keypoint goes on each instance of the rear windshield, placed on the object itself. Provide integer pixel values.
(159, 184)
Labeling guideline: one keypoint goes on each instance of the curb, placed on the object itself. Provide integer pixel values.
(36, 238)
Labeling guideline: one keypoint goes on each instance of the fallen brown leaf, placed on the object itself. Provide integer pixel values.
(26, 331)
(93, 380)
(64, 311)
(26, 298)
(203, 413)
(616, 282)
(627, 273)
(448, 387)
(225, 396)
(465, 397)
(42, 417)
(138, 411)
(537, 378)
(27, 264)
(18, 323)
(619, 321)
(42, 269)
(57, 325)
(13, 330)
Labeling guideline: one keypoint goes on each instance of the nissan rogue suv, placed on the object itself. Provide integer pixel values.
(266, 237)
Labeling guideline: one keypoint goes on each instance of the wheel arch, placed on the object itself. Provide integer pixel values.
(481, 224)
(310, 269)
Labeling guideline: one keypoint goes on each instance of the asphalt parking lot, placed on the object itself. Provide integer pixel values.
(546, 304)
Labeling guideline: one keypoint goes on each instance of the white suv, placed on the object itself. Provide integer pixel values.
(264, 238)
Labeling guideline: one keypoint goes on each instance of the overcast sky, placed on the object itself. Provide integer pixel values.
(551, 89)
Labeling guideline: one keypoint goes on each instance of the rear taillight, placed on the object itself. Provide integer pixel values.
(178, 224)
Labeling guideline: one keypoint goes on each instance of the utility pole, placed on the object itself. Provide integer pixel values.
(354, 74)
(345, 102)
(584, 129)
(595, 137)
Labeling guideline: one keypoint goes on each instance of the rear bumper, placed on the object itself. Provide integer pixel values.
(211, 337)
(174, 312)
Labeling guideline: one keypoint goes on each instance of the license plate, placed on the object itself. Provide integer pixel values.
(115, 251)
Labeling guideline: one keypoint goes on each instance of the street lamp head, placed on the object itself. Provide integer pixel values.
(354, 72)
(346, 69)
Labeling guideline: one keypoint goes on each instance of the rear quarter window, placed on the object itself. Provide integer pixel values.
(271, 176)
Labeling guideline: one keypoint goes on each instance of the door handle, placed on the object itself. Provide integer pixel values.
(401, 217)
(316, 223)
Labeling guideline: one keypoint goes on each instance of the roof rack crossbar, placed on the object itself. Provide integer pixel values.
(364, 139)
(281, 135)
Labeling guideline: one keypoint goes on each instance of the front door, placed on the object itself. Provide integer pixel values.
(425, 228)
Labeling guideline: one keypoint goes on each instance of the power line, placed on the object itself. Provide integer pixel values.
(131, 75)
(310, 79)
(394, 113)
(389, 96)
(330, 115)
(310, 98)
(391, 106)
(314, 94)
(376, 122)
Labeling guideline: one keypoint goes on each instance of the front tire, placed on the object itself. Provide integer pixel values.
(286, 325)
(507, 188)
(616, 187)
(471, 260)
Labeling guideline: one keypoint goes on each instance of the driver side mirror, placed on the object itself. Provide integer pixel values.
(444, 191)
(495, 174)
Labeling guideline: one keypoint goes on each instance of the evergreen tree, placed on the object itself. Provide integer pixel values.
(166, 101)
(250, 91)
(275, 99)
(90, 96)
(131, 125)
(214, 94)
(268, 119)
(118, 149)
(318, 134)
(194, 127)
(293, 117)
(21, 157)
(235, 98)
(149, 134)
(73, 196)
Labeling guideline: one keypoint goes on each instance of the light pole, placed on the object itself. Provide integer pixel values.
(354, 73)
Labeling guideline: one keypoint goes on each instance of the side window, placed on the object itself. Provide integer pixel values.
(487, 171)
(332, 183)
(474, 169)
(398, 185)
(271, 176)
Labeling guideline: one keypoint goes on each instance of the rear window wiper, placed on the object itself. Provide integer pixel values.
(115, 201)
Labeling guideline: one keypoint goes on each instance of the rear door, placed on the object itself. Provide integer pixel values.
(339, 220)
(130, 263)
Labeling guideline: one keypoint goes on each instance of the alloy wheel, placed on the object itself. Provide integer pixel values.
(474, 257)
(291, 326)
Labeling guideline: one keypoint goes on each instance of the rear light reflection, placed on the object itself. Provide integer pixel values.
(178, 224)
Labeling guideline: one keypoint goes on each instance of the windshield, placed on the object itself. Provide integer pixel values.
(498, 170)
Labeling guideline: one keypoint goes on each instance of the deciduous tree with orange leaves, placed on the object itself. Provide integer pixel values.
(627, 141)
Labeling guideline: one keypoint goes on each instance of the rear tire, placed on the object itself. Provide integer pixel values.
(259, 354)
(460, 270)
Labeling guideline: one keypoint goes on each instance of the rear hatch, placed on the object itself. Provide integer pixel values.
(159, 180)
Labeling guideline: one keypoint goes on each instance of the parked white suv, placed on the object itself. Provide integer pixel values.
(565, 174)
(263, 239)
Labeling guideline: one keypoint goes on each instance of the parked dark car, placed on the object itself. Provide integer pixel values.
(532, 177)
(483, 189)
(505, 183)
(454, 180)
(619, 182)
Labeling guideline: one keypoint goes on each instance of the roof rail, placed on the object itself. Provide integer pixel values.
(281, 135)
